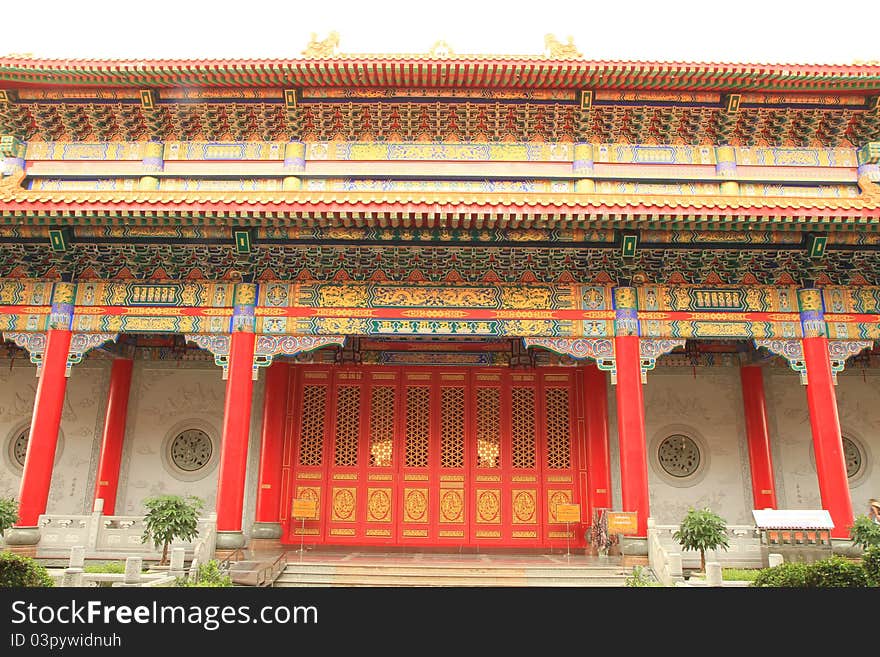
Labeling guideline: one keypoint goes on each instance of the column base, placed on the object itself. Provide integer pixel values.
(266, 530)
(22, 536)
(230, 540)
(632, 546)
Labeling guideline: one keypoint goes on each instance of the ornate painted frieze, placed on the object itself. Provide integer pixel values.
(80, 343)
(267, 347)
(33, 343)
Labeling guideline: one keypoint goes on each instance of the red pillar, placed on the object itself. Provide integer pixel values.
(107, 481)
(596, 419)
(824, 421)
(630, 409)
(268, 513)
(36, 476)
(236, 420)
(758, 437)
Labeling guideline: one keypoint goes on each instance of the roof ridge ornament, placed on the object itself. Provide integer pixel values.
(441, 50)
(555, 49)
(328, 47)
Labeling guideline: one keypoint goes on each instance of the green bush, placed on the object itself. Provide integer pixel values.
(8, 513)
(785, 575)
(702, 530)
(208, 575)
(837, 572)
(171, 517)
(641, 577)
(865, 532)
(871, 564)
(111, 567)
(740, 574)
(20, 571)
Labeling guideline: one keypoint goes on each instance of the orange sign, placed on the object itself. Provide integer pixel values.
(622, 522)
(305, 509)
(568, 512)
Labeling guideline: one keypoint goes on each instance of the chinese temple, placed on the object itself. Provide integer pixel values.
(432, 297)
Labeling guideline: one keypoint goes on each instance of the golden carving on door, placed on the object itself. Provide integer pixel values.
(451, 505)
(488, 506)
(415, 507)
(524, 507)
(344, 504)
(378, 504)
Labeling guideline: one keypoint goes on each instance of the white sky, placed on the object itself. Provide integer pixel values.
(746, 31)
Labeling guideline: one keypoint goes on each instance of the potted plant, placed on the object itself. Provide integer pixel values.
(702, 530)
(170, 517)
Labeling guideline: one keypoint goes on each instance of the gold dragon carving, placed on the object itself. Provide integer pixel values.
(555, 49)
(326, 48)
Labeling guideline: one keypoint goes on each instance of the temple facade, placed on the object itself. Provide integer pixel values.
(424, 300)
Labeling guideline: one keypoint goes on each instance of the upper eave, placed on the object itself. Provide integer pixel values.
(462, 71)
(464, 210)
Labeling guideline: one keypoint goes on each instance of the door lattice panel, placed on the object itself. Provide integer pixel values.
(523, 428)
(382, 426)
(488, 428)
(452, 428)
(558, 434)
(348, 415)
(418, 425)
(311, 444)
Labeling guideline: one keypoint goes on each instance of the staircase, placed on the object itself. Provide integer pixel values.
(386, 570)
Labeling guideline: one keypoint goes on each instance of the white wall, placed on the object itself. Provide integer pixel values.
(81, 420)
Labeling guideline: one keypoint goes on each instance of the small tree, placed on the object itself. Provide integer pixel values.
(702, 530)
(865, 532)
(171, 517)
(8, 513)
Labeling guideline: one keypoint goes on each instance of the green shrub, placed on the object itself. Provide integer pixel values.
(208, 575)
(836, 572)
(702, 530)
(871, 564)
(740, 574)
(865, 532)
(641, 577)
(171, 517)
(111, 567)
(8, 513)
(785, 575)
(20, 571)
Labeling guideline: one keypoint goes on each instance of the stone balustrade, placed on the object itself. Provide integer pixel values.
(103, 535)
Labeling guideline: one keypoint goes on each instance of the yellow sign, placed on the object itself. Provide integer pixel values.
(622, 522)
(305, 509)
(568, 512)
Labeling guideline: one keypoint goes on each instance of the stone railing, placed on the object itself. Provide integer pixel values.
(102, 535)
(669, 561)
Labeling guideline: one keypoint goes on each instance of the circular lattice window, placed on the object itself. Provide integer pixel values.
(853, 457)
(679, 456)
(189, 452)
(16, 448)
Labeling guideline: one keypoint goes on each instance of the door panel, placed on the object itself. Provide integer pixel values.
(432, 456)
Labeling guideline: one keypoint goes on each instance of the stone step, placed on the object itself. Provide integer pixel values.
(380, 580)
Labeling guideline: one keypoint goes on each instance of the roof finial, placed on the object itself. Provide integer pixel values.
(326, 48)
(441, 50)
(555, 49)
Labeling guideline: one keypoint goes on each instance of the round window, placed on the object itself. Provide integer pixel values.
(679, 456)
(191, 450)
(852, 455)
(18, 446)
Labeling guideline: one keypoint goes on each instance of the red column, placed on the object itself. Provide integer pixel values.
(236, 419)
(36, 477)
(271, 444)
(630, 409)
(824, 422)
(758, 437)
(631, 430)
(827, 442)
(107, 481)
(596, 419)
